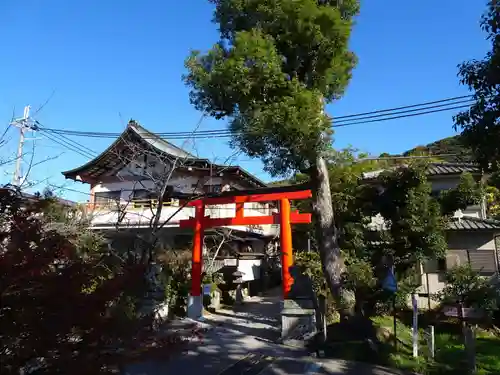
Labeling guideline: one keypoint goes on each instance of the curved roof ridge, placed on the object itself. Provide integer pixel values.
(158, 142)
(150, 138)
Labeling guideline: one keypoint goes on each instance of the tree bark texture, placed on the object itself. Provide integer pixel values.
(326, 232)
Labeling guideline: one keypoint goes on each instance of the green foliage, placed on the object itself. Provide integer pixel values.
(466, 286)
(481, 123)
(449, 355)
(309, 262)
(494, 180)
(351, 198)
(415, 227)
(493, 202)
(451, 149)
(175, 278)
(467, 192)
(275, 65)
(273, 117)
(358, 274)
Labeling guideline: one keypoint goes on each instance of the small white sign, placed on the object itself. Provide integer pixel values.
(231, 262)
(415, 325)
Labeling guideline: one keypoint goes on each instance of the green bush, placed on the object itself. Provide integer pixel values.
(466, 286)
(176, 279)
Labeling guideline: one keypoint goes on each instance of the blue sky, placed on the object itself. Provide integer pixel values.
(108, 61)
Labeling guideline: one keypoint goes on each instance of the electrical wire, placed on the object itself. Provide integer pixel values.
(385, 115)
(339, 121)
(67, 145)
(69, 189)
(83, 150)
(4, 133)
(402, 116)
(469, 97)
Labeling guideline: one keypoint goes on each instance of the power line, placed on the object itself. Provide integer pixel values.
(81, 147)
(470, 96)
(396, 157)
(340, 121)
(384, 116)
(67, 142)
(402, 116)
(66, 145)
(69, 189)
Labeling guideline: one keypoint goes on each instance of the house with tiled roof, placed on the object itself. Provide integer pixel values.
(472, 237)
(128, 179)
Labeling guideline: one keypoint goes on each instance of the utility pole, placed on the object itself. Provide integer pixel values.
(24, 123)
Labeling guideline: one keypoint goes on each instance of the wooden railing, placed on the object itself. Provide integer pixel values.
(153, 203)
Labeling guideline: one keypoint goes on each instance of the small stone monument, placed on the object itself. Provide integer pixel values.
(298, 314)
(239, 299)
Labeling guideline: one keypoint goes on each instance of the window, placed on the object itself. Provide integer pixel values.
(483, 261)
(107, 197)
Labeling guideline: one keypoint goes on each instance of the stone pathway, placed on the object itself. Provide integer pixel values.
(244, 340)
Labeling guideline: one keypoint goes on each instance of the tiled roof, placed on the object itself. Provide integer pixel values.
(108, 160)
(434, 169)
(473, 223)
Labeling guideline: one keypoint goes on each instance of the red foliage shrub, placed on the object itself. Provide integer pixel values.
(62, 311)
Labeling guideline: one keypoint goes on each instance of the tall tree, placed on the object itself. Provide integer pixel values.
(275, 66)
(481, 123)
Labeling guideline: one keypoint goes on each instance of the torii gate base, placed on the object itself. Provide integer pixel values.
(284, 218)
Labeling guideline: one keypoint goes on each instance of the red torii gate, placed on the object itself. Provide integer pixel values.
(285, 217)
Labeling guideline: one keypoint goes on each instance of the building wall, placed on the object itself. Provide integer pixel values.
(180, 183)
(183, 182)
(475, 247)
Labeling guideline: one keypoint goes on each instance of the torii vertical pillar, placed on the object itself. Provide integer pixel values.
(286, 246)
(195, 299)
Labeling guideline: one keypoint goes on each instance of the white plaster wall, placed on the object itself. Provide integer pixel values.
(181, 184)
(139, 168)
(250, 269)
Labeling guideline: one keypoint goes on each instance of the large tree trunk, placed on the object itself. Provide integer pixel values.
(326, 232)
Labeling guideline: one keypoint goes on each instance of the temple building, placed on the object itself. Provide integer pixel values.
(140, 171)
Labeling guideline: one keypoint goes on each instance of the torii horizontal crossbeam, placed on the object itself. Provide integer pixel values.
(266, 197)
